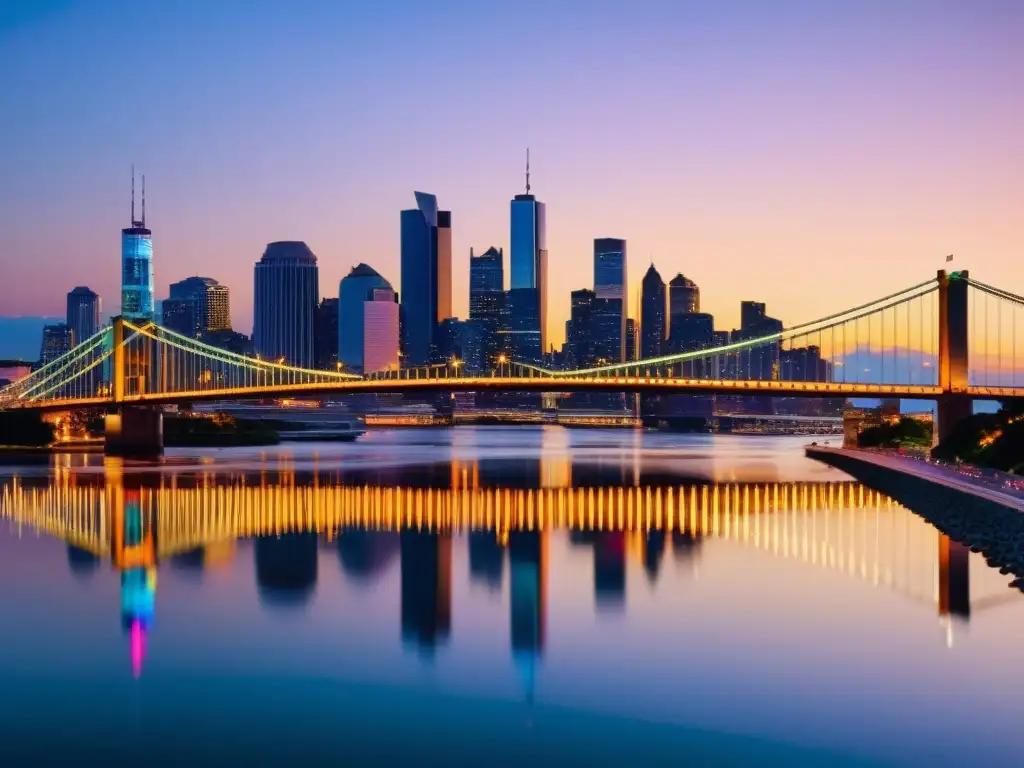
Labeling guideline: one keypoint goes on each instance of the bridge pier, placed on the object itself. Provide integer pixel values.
(951, 409)
(953, 354)
(134, 432)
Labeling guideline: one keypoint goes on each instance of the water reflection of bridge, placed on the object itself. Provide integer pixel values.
(845, 527)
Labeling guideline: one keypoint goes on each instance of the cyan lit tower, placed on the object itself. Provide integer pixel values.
(610, 285)
(284, 311)
(137, 264)
(83, 313)
(426, 298)
(527, 299)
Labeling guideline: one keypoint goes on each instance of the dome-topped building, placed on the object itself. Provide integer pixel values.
(284, 311)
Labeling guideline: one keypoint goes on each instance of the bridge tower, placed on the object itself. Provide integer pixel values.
(129, 430)
(953, 404)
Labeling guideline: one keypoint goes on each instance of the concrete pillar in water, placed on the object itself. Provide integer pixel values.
(953, 404)
(134, 432)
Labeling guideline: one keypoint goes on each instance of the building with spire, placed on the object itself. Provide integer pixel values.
(527, 297)
(137, 301)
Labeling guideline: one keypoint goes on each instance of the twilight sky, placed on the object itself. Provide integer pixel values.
(808, 154)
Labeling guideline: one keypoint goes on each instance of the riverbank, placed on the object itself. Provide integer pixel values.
(987, 520)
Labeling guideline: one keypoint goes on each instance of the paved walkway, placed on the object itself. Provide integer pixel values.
(991, 487)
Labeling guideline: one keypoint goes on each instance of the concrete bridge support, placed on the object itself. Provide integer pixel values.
(953, 359)
(134, 432)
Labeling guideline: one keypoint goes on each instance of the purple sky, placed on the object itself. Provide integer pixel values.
(811, 155)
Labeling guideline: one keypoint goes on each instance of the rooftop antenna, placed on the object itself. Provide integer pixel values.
(527, 170)
(143, 199)
(133, 194)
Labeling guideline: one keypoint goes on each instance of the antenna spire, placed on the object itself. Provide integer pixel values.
(133, 195)
(527, 170)
(143, 199)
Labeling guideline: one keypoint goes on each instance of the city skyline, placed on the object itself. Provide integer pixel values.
(769, 171)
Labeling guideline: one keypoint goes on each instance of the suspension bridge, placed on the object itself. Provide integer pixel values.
(950, 339)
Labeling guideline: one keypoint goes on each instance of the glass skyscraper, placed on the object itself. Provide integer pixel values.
(211, 300)
(286, 297)
(83, 313)
(57, 339)
(137, 301)
(353, 291)
(426, 297)
(652, 315)
(529, 268)
(380, 330)
(487, 305)
(610, 285)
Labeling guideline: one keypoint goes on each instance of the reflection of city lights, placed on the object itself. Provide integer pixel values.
(138, 648)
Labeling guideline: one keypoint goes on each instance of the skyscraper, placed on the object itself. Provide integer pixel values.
(652, 317)
(180, 316)
(528, 298)
(580, 340)
(57, 339)
(380, 330)
(631, 339)
(487, 304)
(212, 307)
(284, 311)
(683, 298)
(353, 291)
(486, 282)
(326, 334)
(137, 264)
(610, 285)
(426, 276)
(752, 314)
(83, 313)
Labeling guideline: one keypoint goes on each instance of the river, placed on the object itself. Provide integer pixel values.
(494, 595)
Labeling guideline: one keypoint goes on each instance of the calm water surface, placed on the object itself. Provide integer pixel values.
(494, 596)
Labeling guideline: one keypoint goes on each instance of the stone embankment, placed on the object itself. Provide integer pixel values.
(978, 520)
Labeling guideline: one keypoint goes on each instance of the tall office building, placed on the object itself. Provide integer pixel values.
(632, 340)
(284, 311)
(380, 330)
(137, 264)
(325, 342)
(83, 313)
(211, 300)
(683, 298)
(180, 316)
(752, 314)
(528, 297)
(580, 329)
(653, 328)
(486, 283)
(487, 305)
(610, 284)
(355, 287)
(426, 277)
(57, 339)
